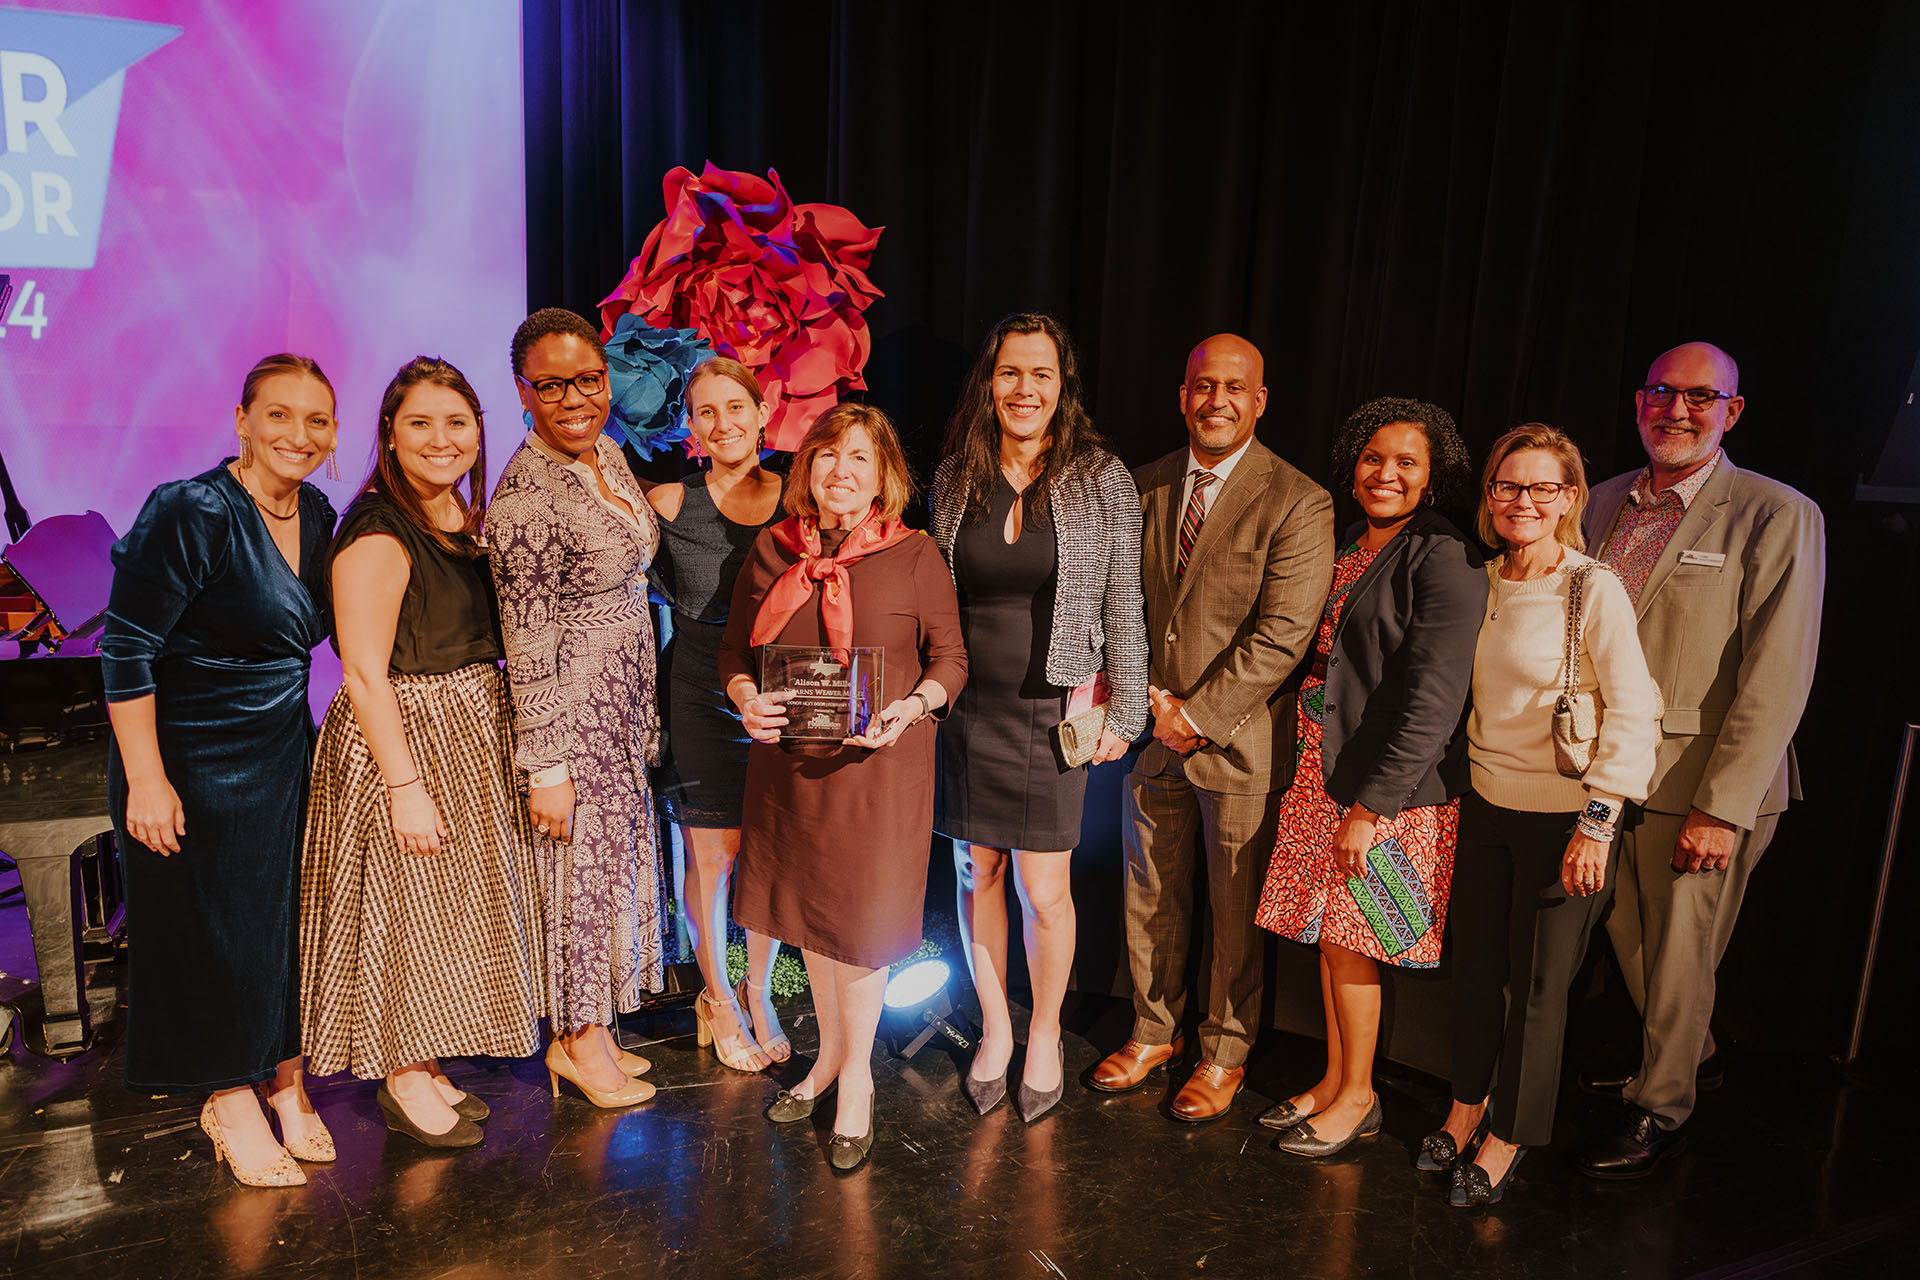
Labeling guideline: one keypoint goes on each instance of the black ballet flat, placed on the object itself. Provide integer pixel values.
(1283, 1115)
(1472, 1190)
(1303, 1141)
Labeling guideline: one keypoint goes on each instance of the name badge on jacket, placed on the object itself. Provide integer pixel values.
(1711, 559)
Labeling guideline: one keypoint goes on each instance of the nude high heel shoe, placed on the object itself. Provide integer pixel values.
(314, 1149)
(560, 1065)
(281, 1173)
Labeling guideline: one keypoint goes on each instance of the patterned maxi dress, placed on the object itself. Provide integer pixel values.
(571, 570)
(1394, 915)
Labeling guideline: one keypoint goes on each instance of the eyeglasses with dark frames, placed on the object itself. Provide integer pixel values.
(589, 383)
(1539, 490)
(1660, 395)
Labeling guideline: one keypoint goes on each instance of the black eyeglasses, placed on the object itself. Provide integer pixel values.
(1660, 395)
(554, 390)
(1539, 490)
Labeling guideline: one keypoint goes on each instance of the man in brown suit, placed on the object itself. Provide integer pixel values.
(1236, 560)
(1726, 569)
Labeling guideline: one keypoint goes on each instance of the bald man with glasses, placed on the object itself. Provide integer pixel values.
(1726, 569)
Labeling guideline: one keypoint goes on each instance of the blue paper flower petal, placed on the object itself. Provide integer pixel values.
(647, 371)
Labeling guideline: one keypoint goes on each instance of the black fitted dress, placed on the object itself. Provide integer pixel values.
(1002, 783)
(705, 756)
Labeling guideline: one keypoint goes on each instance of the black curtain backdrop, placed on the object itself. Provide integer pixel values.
(1506, 208)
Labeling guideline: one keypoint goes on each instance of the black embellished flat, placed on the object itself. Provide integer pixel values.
(1472, 1190)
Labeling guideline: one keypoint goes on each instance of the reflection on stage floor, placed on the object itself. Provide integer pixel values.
(1788, 1173)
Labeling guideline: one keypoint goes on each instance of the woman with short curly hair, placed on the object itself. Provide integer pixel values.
(1364, 859)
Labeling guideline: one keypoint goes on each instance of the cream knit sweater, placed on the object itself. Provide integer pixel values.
(1517, 674)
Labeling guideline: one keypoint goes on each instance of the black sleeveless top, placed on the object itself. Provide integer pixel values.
(449, 617)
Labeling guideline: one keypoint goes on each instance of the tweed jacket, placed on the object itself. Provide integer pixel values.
(1098, 618)
(1228, 637)
(1730, 636)
(1400, 668)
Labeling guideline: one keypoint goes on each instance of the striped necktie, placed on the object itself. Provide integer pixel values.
(1190, 522)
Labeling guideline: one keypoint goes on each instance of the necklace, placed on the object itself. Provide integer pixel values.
(264, 509)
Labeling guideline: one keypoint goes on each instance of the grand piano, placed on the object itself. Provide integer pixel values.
(53, 772)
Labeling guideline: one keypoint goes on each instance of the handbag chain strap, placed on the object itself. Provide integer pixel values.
(1575, 581)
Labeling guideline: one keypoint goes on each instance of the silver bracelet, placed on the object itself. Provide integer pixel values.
(1594, 830)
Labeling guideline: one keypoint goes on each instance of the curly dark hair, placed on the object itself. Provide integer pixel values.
(1450, 466)
(973, 432)
(547, 322)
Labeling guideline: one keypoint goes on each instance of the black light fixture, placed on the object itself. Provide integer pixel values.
(917, 1004)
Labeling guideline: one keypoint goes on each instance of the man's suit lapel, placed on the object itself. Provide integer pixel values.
(1248, 477)
(1708, 506)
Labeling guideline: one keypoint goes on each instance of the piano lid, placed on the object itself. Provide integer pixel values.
(66, 564)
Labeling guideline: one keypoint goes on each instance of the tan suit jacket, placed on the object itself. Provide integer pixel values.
(1730, 636)
(1229, 635)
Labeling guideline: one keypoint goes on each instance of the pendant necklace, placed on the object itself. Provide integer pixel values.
(264, 510)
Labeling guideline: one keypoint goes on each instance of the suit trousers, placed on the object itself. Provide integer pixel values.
(1163, 815)
(1518, 940)
(1669, 931)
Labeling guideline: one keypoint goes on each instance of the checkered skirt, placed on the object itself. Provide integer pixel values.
(403, 957)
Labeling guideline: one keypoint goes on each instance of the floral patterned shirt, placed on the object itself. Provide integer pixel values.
(1646, 524)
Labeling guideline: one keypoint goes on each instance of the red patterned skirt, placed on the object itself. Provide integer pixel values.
(1398, 912)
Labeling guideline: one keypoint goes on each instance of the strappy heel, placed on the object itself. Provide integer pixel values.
(737, 1051)
(779, 1048)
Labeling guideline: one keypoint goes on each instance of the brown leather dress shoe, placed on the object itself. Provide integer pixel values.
(1128, 1068)
(1208, 1092)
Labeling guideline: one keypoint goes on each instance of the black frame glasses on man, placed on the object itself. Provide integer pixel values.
(588, 382)
(1539, 490)
(1660, 395)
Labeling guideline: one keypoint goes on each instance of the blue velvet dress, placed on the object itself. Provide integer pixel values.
(207, 617)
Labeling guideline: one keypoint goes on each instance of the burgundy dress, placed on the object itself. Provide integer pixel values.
(834, 840)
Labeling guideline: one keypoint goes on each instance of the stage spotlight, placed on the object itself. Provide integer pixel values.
(917, 1005)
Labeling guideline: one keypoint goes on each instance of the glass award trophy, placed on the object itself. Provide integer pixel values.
(831, 699)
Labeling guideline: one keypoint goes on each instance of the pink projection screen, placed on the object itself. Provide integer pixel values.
(187, 185)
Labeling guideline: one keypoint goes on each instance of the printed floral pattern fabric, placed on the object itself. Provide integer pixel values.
(1397, 913)
(571, 571)
(1646, 525)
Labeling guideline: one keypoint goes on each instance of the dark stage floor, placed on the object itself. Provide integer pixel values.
(1783, 1178)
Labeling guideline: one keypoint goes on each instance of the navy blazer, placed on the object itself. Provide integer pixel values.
(1401, 668)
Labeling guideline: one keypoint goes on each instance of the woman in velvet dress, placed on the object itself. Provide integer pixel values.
(205, 657)
(1363, 863)
(420, 915)
(1042, 528)
(708, 524)
(572, 538)
(833, 840)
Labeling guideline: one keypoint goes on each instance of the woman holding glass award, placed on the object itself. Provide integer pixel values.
(1042, 527)
(843, 640)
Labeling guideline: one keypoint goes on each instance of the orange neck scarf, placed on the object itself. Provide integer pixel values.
(790, 590)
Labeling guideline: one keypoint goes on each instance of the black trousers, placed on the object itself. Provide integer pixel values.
(1518, 939)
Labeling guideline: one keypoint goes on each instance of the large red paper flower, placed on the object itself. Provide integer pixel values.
(777, 286)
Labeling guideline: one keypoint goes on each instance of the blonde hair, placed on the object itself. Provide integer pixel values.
(1573, 471)
(896, 481)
